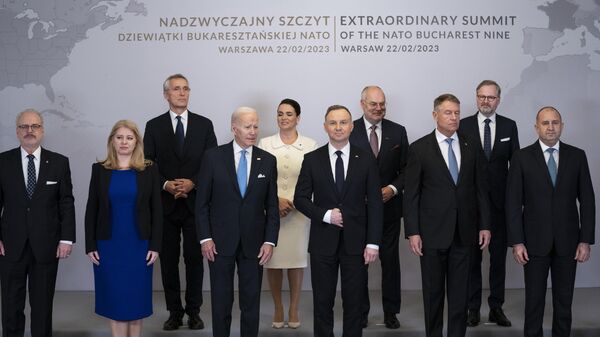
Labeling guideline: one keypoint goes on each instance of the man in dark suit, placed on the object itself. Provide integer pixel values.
(37, 227)
(446, 213)
(388, 143)
(237, 217)
(338, 189)
(497, 137)
(546, 182)
(176, 141)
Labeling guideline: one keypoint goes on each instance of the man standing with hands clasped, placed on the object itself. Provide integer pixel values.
(551, 216)
(37, 227)
(338, 189)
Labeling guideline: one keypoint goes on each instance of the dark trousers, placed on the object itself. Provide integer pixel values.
(443, 269)
(324, 277)
(390, 270)
(562, 272)
(497, 274)
(180, 223)
(249, 285)
(40, 278)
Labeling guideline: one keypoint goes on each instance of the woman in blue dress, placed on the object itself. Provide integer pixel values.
(123, 230)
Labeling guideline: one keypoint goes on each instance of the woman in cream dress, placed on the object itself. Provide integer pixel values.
(291, 252)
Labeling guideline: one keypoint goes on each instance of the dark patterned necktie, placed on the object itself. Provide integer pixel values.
(179, 136)
(487, 139)
(339, 172)
(31, 179)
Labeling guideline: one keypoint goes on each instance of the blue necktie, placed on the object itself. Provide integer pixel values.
(452, 164)
(487, 139)
(179, 136)
(339, 172)
(242, 172)
(552, 169)
(31, 179)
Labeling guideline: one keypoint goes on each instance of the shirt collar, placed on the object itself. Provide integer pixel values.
(184, 115)
(546, 147)
(441, 138)
(237, 148)
(37, 153)
(481, 118)
(298, 143)
(345, 150)
(368, 124)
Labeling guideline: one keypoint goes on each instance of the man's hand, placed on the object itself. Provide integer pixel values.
(484, 238)
(336, 217)
(171, 187)
(370, 255)
(63, 250)
(265, 253)
(1, 248)
(209, 250)
(285, 207)
(520, 254)
(583, 252)
(184, 185)
(416, 245)
(151, 257)
(387, 193)
(94, 257)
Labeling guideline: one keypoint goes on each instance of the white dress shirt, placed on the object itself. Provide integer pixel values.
(481, 122)
(441, 139)
(554, 154)
(184, 121)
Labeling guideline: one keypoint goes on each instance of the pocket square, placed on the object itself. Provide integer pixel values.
(505, 139)
(51, 182)
(260, 175)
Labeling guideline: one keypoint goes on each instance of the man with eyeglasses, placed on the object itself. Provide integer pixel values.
(497, 137)
(388, 143)
(176, 141)
(37, 227)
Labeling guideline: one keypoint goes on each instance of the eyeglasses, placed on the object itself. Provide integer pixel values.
(26, 127)
(487, 98)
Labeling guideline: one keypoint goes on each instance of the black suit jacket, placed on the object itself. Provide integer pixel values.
(360, 202)
(43, 220)
(148, 207)
(506, 143)
(544, 217)
(160, 147)
(391, 160)
(433, 205)
(221, 212)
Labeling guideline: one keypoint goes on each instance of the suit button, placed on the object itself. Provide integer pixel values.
(27, 209)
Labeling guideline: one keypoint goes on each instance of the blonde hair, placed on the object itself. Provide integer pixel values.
(137, 161)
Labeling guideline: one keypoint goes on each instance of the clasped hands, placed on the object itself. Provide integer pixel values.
(179, 187)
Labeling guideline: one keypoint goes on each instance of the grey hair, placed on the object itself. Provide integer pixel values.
(166, 83)
(29, 110)
(241, 111)
(363, 93)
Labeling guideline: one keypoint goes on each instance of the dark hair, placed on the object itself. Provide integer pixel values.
(292, 103)
(489, 82)
(443, 98)
(337, 107)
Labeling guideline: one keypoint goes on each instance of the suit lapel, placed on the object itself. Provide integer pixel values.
(386, 143)
(437, 153)
(564, 161)
(167, 129)
(45, 163)
(538, 157)
(188, 135)
(18, 172)
(352, 163)
(254, 169)
(499, 131)
(327, 169)
(229, 158)
(465, 156)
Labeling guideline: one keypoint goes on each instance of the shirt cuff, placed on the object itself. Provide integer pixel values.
(165, 185)
(269, 243)
(372, 246)
(327, 217)
(66, 242)
(203, 241)
(393, 189)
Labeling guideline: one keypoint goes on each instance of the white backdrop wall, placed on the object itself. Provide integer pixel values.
(86, 64)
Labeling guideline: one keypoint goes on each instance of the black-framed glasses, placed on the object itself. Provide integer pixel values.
(26, 127)
(487, 98)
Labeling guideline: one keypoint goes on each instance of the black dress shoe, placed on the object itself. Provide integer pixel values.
(473, 318)
(390, 320)
(173, 323)
(195, 322)
(497, 316)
